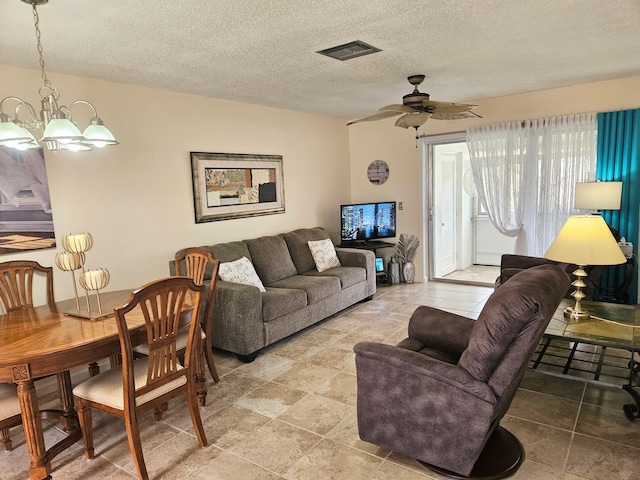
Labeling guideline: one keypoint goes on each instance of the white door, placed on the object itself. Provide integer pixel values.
(445, 168)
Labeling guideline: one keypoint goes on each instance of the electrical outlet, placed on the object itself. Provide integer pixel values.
(400, 205)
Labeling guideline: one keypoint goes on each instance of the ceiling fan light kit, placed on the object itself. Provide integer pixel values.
(417, 108)
(59, 130)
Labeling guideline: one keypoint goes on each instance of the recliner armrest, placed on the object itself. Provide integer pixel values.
(411, 363)
(441, 330)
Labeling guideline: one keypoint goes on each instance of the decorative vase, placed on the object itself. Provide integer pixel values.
(393, 271)
(408, 272)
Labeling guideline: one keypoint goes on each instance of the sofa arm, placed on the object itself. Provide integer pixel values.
(353, 257)
(236, 323)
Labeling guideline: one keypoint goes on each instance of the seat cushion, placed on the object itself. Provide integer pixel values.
(280, 301)
(271, 259)
(299, 248)
(9, 404)
(316, 288)
(348, 276)
(107, 388)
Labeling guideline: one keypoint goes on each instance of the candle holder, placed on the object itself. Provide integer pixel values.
(95, 280)
(73, 258)
(69, 262)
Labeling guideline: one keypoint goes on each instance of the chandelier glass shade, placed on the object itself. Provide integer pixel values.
(59, 131)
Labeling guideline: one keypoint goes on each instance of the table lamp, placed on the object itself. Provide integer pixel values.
(597, 196)
(584, 240)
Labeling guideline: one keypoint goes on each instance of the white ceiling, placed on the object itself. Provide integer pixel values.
(263, 51)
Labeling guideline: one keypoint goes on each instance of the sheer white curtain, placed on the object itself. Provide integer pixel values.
(525, 174)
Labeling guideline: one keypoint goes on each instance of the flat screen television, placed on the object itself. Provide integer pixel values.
(366, 222)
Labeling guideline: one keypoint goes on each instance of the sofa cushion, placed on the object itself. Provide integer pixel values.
(271, 258)
(299, 248)
(280, 301)
(348, 275)
(228, 252)
(316, 287)
(240, 271)
(324, 254)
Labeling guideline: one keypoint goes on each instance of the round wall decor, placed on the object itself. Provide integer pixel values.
(378, 172)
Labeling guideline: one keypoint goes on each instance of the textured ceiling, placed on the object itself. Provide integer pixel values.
(263, 51)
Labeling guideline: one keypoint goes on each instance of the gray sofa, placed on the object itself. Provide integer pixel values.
(245, 320)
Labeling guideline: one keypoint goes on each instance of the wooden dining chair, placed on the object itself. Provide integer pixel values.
(16, 284)
(197, 263)
(9, 412)
(146, 383)
(16, 293)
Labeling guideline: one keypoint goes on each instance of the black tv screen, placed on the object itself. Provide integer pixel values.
(362, 222)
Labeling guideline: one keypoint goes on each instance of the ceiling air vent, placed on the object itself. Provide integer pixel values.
(349, 50)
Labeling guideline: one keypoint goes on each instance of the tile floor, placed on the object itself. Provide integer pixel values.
(475, 274)
(291, 414)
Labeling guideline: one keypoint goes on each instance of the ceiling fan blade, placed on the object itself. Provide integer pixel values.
(397, 108)
(413, 120)
(447, 107)
(376, 116)
(437, 115)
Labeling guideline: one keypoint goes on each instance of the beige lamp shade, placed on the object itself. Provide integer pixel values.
(598, 196)
(585, 240)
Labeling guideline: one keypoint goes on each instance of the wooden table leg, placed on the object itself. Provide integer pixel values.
(40, 465)
(68, 417)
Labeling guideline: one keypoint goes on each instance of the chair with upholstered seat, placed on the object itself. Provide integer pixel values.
(146, 383)
(9, 412)
(199, 264)
(16, 284)
(439, 395)
(17, 279)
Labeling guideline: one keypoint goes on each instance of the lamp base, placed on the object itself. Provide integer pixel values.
(576, 315)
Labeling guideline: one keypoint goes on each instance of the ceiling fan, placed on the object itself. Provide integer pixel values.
(417, 108)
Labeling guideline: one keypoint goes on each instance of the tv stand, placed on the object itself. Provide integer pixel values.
(367, 244)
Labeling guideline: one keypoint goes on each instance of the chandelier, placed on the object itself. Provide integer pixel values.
(56, 121)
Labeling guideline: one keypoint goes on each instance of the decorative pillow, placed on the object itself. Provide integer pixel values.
(240, 271)
(324, 254)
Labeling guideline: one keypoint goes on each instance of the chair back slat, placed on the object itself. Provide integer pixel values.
(16, 284)
(162, 304)
(198, 263)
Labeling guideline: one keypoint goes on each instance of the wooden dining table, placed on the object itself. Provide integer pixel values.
(41, 341)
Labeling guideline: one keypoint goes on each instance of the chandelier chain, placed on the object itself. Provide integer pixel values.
(36, 20)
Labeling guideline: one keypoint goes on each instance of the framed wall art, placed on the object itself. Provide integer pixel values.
(26, 222)
(233, 185)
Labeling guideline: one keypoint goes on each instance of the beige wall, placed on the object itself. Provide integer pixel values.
(136, 198)
(381, 140)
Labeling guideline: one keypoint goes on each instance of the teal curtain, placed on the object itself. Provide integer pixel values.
(618, 159)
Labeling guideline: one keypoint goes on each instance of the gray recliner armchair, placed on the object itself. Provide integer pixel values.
(438, 396)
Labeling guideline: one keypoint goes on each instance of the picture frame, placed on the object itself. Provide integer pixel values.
(236, 185)
(26, 219)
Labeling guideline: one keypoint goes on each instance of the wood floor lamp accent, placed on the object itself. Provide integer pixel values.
(584, 240)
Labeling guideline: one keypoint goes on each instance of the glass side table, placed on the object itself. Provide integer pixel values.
(601, 349)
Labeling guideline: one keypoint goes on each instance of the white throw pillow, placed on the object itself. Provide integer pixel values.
(240, 271)
(324, 254)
